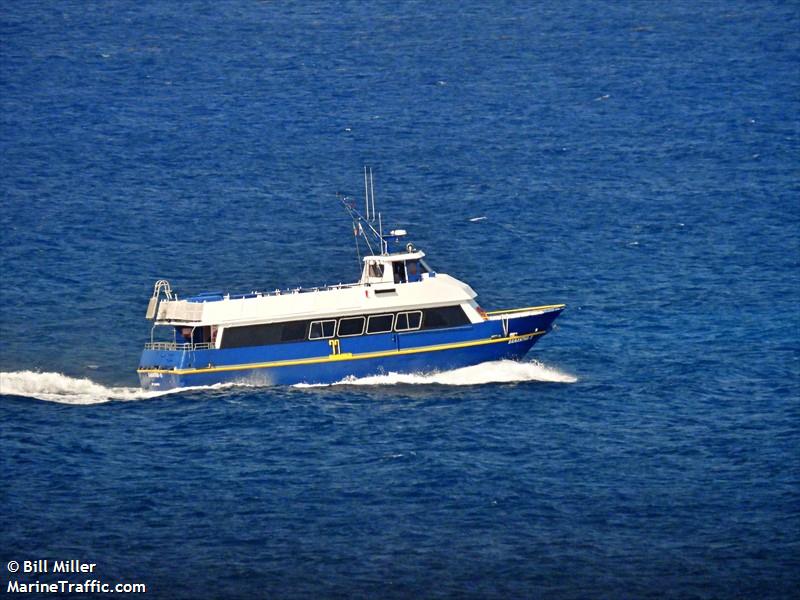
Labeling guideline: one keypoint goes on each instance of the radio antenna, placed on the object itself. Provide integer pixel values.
(384, 246)
(366, 191)
(372, 189)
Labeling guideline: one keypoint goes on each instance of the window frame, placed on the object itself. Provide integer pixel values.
(391, 324)
(322, 327)
(409, 312)
(339, 326)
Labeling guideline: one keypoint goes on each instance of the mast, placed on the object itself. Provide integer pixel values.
(365, 225)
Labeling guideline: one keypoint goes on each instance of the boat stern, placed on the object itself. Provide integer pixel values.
(155, 381)
(159, 365)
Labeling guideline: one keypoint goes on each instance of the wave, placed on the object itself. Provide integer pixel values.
(499, 371)
(55, 387)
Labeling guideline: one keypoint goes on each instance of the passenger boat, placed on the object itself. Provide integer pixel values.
(401, 316)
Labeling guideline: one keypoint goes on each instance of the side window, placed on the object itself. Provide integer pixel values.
(379, 324)
(445, 316)
(408, 321)
(294, 331)
(375, 269)
(401, 322)
(321, 330)
(262, 335)
(351, 326)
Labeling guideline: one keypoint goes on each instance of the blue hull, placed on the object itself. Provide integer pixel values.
(317, 362)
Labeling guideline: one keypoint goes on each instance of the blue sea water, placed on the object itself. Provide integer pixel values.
(636, 160)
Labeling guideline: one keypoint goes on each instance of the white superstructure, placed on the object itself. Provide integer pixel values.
(389, 283)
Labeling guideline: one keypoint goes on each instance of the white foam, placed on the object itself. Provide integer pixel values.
(55, 387)
(499, 371)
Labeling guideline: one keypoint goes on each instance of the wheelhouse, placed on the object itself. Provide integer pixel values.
(407, 267)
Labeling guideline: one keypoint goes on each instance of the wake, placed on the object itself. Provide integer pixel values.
(499, 371)
(55, 387)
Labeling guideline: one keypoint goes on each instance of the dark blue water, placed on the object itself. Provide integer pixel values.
(638, 161)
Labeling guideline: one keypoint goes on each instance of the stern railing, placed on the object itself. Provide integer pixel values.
(176, 346)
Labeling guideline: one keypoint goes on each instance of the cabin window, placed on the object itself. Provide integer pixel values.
(408, 321)
(351, 326)
(294, 331)
(262, 335)
(321, 330)
(379, 323)
(375, 270)
(445, 316)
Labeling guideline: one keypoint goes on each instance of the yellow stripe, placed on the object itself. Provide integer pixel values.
(341, 357)
(516, 310)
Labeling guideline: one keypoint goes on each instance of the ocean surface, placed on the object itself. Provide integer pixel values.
(638, 161)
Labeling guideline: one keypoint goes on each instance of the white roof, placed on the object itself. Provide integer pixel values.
(415, 255)
(430, 291)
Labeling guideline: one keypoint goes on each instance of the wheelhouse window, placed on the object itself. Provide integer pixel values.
(412, 270)
(399, 270)
(379, 324)
(351, 326)
(321, 330)
(375, 269)
(408, 321)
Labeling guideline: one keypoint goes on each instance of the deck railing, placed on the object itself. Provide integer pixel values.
(176, 346)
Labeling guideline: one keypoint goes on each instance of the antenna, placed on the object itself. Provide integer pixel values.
(365, 226)
(366, 190)
(372, 188)
(384, 249)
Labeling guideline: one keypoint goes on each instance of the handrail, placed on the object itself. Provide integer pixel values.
(516, 310)
(277, 292)
(176, 346)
